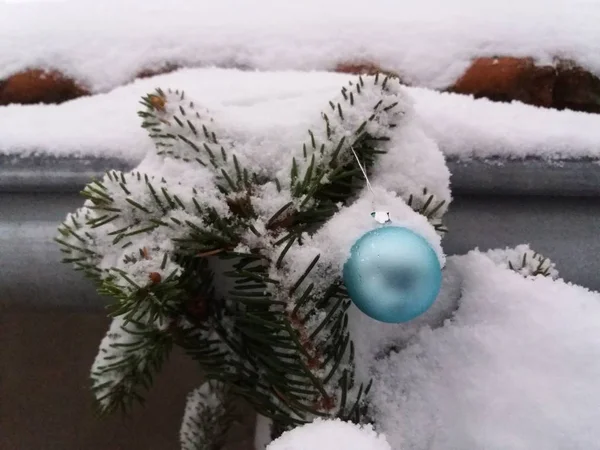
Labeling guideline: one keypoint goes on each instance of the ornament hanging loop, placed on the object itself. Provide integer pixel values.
(381, 217)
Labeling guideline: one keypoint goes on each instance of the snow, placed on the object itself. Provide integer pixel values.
(382, 337)
(278, 107)
(107, 124)
(330, 435)
(515, 367)
(467, 128)
(430, 42)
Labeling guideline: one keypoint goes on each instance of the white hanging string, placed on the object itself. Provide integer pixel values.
(381, 217)
(364, 173)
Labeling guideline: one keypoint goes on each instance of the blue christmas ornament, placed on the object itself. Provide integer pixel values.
(393, 275)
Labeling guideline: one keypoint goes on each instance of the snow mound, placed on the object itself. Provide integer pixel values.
(330, 435)
(516, 367)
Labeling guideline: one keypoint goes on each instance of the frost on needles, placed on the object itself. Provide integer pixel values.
(213, 254)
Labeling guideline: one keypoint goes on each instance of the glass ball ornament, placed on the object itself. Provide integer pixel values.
(393, 274)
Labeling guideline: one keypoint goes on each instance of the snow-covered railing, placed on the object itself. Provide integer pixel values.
(107, 126)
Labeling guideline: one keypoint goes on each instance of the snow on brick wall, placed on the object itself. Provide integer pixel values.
(551, 47)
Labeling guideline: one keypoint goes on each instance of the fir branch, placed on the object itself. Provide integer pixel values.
(294, 348)
(428, 205)
(129, 356)
(327, 173)
(209, 413)
(340, 134)
(156, 301)
(181, 130)
(282, 344)
(530, 263)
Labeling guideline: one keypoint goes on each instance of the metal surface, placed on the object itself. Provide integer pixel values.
(52, 174)
(564, 229)
(30, 271)
(526, 177)
(492, 176)
(34, 198)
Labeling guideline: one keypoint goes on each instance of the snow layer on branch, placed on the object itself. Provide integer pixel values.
(421, 164)
(98, 242)
(268, 110)
(430, 42)
(523, 260)
(330, 435)
(517, 367)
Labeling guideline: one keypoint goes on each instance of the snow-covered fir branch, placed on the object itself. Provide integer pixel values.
(200, 208)
(129, 356)
(209, 413)
(525, 261)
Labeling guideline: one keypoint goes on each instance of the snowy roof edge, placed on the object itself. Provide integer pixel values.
(491, 176)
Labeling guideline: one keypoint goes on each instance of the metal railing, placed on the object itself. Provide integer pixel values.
(553, 206)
